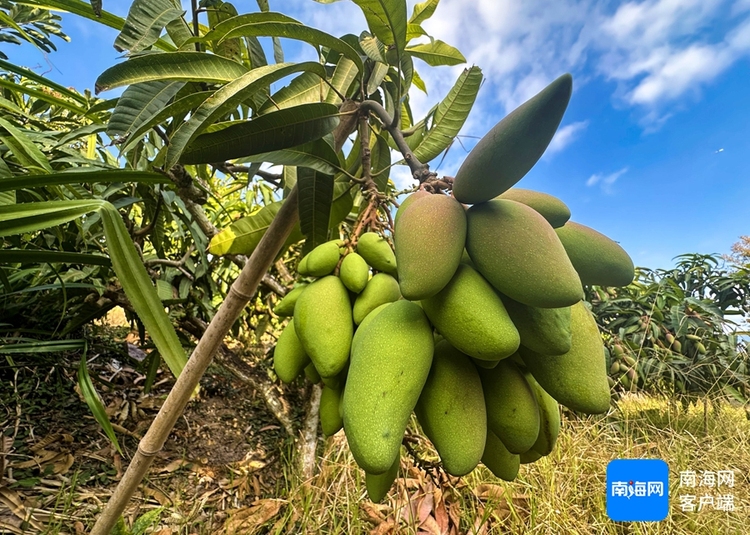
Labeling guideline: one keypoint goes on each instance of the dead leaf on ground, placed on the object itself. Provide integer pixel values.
(248, 520)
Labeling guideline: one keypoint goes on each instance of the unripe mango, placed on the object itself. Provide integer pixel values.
(487, 364)
(354, 272)
(518, 252)
(378, 485)
(330, 413)
(285, 307)
(549, 418)
(407, 201)
(512, 411)
(471, 316)
(577, 379)
(552, 209)
(597, 259)
(312, 374)
(389, 366)
(512, 147)
(323, 259)
(382, 288)
(499, 460)
(289, 357)
(544, 330)
(451, 410)
(529, 457)
(429, 240)
(377, 252)
(323, 322)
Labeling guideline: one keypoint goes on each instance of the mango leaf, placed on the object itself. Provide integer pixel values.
(343, 201)
(315, 199)
(146, 19)
(243, 236)
(38, 256)
(372, 46)
(423, 11)
(30, 217)
(386, 20)
(42, 95)
(31, 75)
(450, 115)
(317, 155)
(229, 97)
(342, 78)
(81, 177)
(218, 13)
(413, 31)
(140, 102)
(95, 403)
(277, 25)
(185, 66)
(304, 89)
(381, 161)
(274, 131)
(25, 150)
(377, 75)
(78, 133)
(418, 82)
(437, 53)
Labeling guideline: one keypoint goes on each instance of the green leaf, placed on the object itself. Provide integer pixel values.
(81, 177)
(277, 25)
(31, 75)
(42, 346)
(42, 95)
(343, 201)
(229, 97)
(372, 46)
(34, 256)
(95, 403)
(386, 20)
(275, 131)
(379, 71)
(185, 66)
(381, 162)
(317, 155)
(423, 11)
(146, 19)
(450, 115)
(243, 236)
(343, 76)
(305, 88)
(140, 102)
(413, 31)
(30, 217)
(25, 151)
(315, 199)
(437, 53)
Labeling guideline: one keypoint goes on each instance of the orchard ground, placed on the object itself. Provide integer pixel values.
(229, 467)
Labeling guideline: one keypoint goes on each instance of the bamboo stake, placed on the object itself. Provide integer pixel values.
(240, 293)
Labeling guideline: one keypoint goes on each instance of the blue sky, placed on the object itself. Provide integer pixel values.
(653, 149)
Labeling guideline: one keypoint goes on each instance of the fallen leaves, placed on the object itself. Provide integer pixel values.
(249, 520)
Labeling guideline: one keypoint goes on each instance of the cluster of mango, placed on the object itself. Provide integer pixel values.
(476, 323)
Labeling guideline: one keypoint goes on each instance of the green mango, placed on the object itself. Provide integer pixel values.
(407, 201)
(518, 252)
(389, 366)
(289, 357)
(377, 252)
(544, 330)
(330, 413)
(551, 208)
(512, 147)
(302, 268)
(323, 259)
(512, 411)
(382, 288)
(471, 316)
(323, 322)
(361, 328)
(429, 241)
(378, 485)
(354, 272)
(529, 457)
(549, 418)
(312, 374)
(577, 379)
(285, 307)
(451, 410)
(499, 460)
(486, 364)
(597, 259)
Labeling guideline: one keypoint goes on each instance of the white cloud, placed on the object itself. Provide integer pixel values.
(606, 182)
(565, 136)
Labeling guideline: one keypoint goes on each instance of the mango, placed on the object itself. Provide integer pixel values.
(471, 316)
(323, 322)
(330, 413)
(451, 410)
(378, 485)
(382, 288)
(553, 209)
(512, 147)
(544, 330)
(377, 252)
(289, 357)
(512, 411)
(549, 419)
(578, 378)
(487, 364)
(354, 272)
(597, 259)
(529, 457)
(407, 201)
(389, 366)
(518, 252)
(429, 241)
(312, 374)
(323, 259)
(285, 307)
(499, 460)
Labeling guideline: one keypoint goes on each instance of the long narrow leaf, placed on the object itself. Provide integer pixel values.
(30, 217)
(387, 20)
(140, 102)
(317, 155)
(146, 19)
(304, 89)
(437, 53)
(315, 199)
(28, 256)
(79, 177)
(95, 403)
(42, 346)
(27, 153)
(31, 75)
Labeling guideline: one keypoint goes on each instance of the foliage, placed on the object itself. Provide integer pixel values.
(674, 329)
(20, 23)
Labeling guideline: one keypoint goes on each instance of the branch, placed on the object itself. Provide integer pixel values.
(310, 434)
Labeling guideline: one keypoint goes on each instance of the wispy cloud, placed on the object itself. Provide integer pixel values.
(606, 182)
(566, 135)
